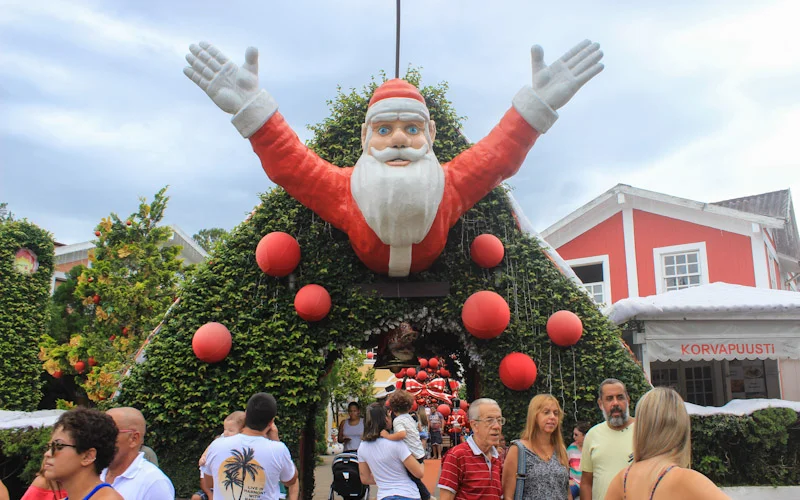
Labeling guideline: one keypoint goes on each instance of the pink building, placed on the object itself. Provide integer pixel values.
(629, 243)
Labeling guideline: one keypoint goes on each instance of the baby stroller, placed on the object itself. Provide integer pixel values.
(346, 480)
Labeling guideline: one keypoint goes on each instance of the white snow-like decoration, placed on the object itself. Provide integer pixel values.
(22, 419)
(712, 299)
(741, 407)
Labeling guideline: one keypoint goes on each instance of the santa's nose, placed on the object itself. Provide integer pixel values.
(399, 139)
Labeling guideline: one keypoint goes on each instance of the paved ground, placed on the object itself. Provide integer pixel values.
(323, 478)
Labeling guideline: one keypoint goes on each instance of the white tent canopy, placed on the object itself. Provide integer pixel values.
(715, 322)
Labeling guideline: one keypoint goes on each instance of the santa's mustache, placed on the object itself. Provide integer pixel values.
(406, 153)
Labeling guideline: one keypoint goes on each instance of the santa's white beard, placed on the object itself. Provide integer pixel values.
(398, 203)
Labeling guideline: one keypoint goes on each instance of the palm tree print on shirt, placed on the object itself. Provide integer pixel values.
(242, 473)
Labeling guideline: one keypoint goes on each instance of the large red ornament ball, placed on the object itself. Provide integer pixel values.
(401, 373)
(463, 405)
(564, 328)
(423, 363)
(80, 366)
(517, 371)
(422, 376)
(312, 302)
(444, 410)
(487, 250)
(211, 342)
(444, 373)
(278, 254)
(58, 374)
(485, 314)
(411, 372)
(399, 384)
(433, 363)
(370, 355)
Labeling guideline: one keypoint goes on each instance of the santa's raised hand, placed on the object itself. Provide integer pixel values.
(230, 87)
(557, 83)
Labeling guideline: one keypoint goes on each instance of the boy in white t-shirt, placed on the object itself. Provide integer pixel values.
(404, 428)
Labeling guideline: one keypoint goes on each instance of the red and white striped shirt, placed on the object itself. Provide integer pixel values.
(470, 474)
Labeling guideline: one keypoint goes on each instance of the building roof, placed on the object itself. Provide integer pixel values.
(713, 301)
(776, 204)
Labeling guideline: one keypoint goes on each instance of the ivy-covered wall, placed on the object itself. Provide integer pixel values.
(24, 299)
(274, 350)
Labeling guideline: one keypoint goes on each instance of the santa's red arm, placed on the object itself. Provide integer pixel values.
(496, 157)
(317, 184)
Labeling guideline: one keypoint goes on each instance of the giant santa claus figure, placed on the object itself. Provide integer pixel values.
(397, 203)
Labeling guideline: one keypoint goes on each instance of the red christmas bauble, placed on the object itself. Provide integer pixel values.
(414, 406)
(487, 250)
(399, 384)
(453, 385)
(96, 299)
(92, 361)
(444, 410)
(312, 302)
(401, 373)
(278, 254)
(97, 233)
(433, 363)
(517, 371)
(463, 405)
(461, 412)
(128, 223)
(211, 342)
(485, 314)
(444, 373)
(124, 330)
(422, 376)
(58, 374)
(564, 328)
(370, 355)
(80, 366)
(112, 338)
(423, 363)
(411, 372)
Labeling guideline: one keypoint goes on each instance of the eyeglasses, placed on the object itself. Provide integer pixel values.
(123, 431)
(58, 446)
(492, 420)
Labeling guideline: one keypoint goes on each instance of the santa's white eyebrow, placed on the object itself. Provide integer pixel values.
(393, 116)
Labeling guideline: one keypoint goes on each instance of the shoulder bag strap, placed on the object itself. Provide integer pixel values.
(521, 473)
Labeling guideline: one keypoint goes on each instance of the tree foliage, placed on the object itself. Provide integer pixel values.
(24, 299)
(349, 380)
(274, 350)
(209, 238)
(107, 310)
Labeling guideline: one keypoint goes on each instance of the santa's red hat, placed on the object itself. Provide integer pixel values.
(397, 96)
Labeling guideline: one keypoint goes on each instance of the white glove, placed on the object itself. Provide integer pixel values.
(228, 85)
(557, 83)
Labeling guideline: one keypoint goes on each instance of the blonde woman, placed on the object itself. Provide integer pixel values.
(43, 489)
(422, 427)
(662, 450)
(546, 465)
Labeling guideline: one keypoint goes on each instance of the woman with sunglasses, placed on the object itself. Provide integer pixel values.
(541, 447)
(83, 444)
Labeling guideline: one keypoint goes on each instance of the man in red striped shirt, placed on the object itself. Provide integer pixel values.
(472, 470)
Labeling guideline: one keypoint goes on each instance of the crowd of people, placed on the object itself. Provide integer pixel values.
(95, 455)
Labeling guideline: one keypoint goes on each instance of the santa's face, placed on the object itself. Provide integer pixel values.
(398, 182)
(397, 134)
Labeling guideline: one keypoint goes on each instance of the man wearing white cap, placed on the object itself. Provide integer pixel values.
(398, 203)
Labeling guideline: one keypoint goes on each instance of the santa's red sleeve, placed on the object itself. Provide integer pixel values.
(317, 184)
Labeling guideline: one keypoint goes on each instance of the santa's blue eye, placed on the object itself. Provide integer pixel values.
(412, 129)
(383, 130)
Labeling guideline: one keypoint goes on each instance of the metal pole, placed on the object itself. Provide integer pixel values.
(397, 50)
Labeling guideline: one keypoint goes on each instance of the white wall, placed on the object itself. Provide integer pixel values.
(790, 379)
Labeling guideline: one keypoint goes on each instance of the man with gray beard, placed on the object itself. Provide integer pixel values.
(398, 203)
(608, 446)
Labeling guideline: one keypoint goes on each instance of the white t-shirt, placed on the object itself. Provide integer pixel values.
(385, 460)
(142, 481)
(406, 422)
(266, 463)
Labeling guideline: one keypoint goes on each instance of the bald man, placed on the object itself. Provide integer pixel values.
(129, 473)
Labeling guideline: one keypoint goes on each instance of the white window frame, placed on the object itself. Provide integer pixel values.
(658, 261)
(596, 259)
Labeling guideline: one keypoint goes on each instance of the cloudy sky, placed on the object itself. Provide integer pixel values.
(699, 98)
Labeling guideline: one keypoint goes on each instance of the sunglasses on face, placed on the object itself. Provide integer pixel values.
(56, 446)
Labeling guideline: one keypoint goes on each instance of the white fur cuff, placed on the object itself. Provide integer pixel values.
(255, 114)
(535, 111)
